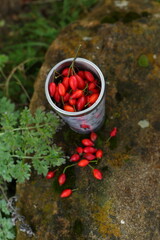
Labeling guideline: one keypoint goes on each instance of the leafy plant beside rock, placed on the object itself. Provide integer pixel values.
(26, 142)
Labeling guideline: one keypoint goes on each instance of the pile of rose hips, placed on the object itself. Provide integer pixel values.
(83, 157)
(74, 90)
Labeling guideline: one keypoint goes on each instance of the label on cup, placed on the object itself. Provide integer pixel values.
(88, 122)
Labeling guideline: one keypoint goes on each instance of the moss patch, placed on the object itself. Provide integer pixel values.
(106, 220)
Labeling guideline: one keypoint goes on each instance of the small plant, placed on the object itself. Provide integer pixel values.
(26, 142)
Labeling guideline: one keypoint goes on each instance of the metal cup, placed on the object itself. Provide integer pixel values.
(90, 119)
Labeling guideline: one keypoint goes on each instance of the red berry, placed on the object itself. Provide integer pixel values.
(81, 103)
(52, 89)
(95, 90)
(66, 97)
(97, 174)
(89, 150)
(85, 126)
(61, 89)
(81, 74)
(75, 157)
(89, 156)
(81, 82)
(113, 133)
(72, 101)
(66, 193)
(93, 136)
(66, 82)
(73, 82)
(93, 98)
(62, 179)
(99, 153)
(68, 108)
(66, 72)
(77, 94)
(50, 174)
(91, 86)
(89, 76)
(87, 142)
(83, 163)
(57, 96)
(79, 150)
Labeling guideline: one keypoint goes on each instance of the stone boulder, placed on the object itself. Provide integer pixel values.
(122, 39)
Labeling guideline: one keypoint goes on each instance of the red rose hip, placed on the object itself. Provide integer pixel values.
(73, 82)
(52, 89)
(68, 108)
(66, 193)
(81, 103)
(93, 98)
(89, 76)
(83, 163)
(75, 157)
(87, 142)
(97, 174)
(79, 150)
(90, 150)
(62, 179)
(99, 153)
(89, 156)
(93, 136)
(50, 174)
(61, 89)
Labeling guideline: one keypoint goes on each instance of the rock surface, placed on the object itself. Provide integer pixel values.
(122, 39)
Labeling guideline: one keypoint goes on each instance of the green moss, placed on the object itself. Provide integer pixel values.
(128, 17)
(105, 218)
(118, 159)
(143, 61)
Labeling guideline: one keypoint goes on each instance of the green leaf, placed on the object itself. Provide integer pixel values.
(26, 118)
(6, 106)
(3, 207)
(3, 60)
(6, 225)
(21, 171)
(143, 61)
(41, 166)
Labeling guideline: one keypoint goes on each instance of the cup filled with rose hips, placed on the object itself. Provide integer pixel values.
(75, 88)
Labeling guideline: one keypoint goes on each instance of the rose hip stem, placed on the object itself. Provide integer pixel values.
(72, 64)
(112, 135)
(62, 100)
(69, 166)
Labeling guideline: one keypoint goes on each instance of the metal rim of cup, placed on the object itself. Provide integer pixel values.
(57, 67)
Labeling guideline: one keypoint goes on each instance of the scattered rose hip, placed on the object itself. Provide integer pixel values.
(66, 193)
(74, 90)
(83, 157)
(50, 174)
(113, 133)
(97, 174)
(99, 153)
(62, 179)
(83, 163)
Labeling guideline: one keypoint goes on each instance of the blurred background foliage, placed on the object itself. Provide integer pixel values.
(27, 30)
